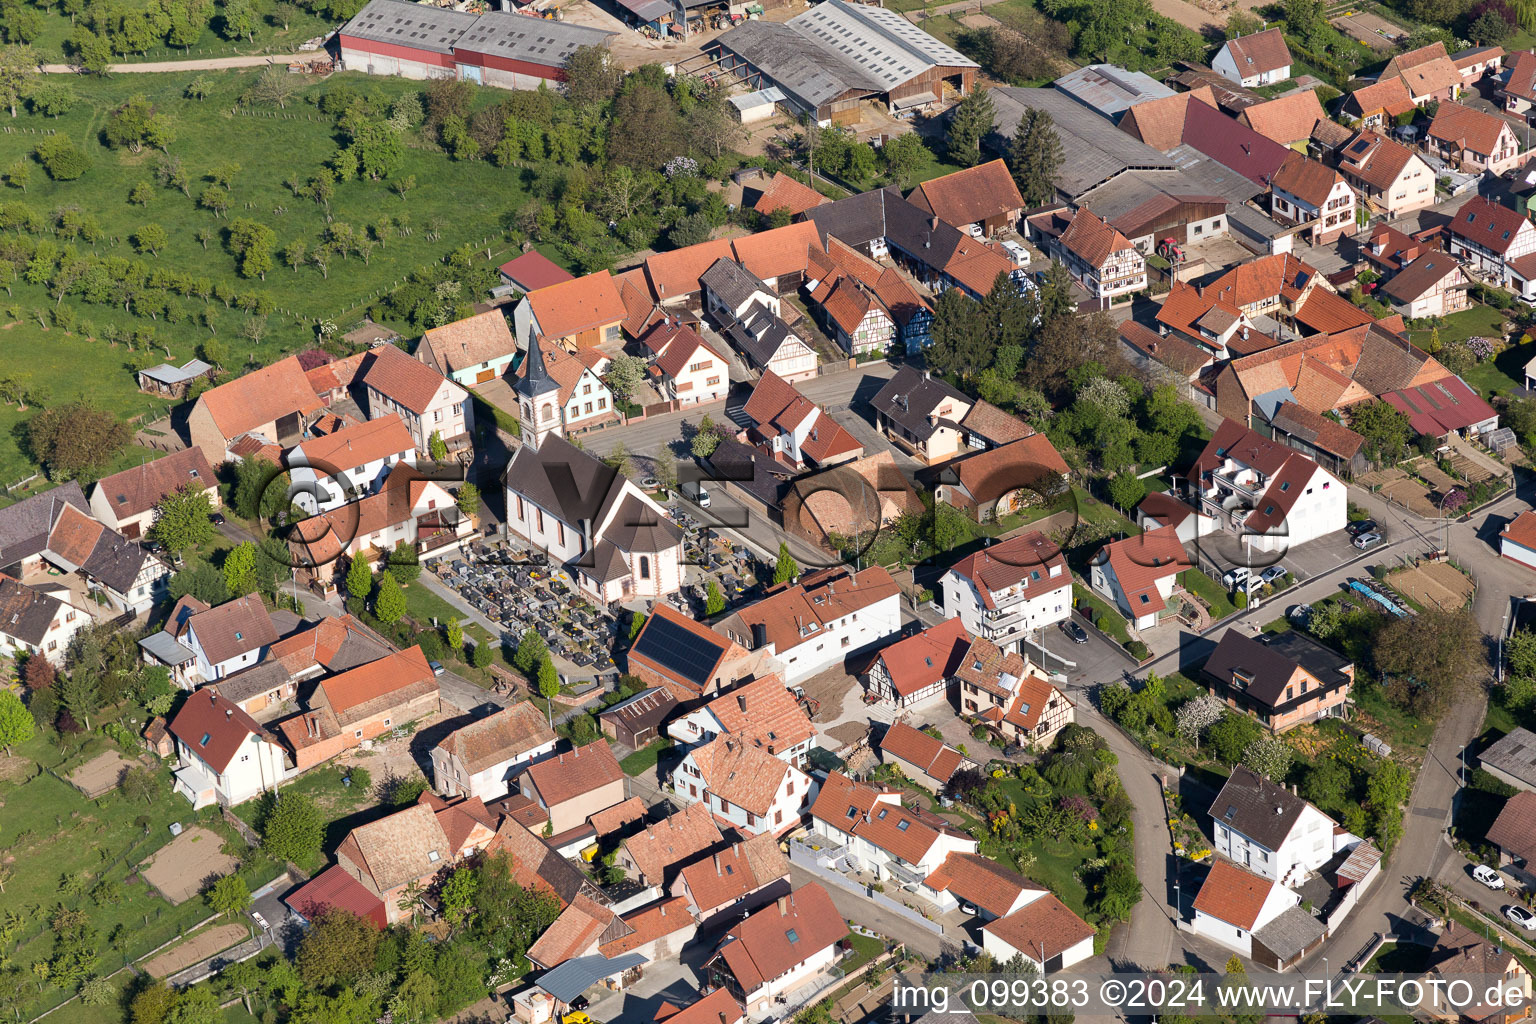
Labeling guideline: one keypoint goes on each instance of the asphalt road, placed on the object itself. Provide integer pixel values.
(871, 916)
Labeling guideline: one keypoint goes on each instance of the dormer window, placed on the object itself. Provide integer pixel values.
(1242, 679)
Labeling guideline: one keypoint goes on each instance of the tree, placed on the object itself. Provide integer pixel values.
(436, 447)
(228, 896)
(61, 158)
(239, 19)
(75, 439)
(481, 656)
(389, 601)
(215, 198)
(785, 568)
(712, 126)
(1126, 490)
(714, 601)
(1197, 715)
(592, 76)
(153, 1004)
(53, 99)
(255, 244)
(337, 949)
(903, 155)
(1269, 756)
(625, 372)
(618, 459)
(359, 577)
(531, 650)
(292, 828)
(1230, 737)
(1386, 430)
(139, 784)
(17, 66)
(1034, 157)
(81, 696)
(97, 992)
(202, 581)
(18, 174)
(969, 124)
(16, 725)
(646, 129)
(960, 344)
(182, 519)
(240, 569)
(378, 149)
(1434, 656)
(455, 635)
(404, 565)
(548, 679)
(468, 499)
(458, 896)
(1489, 28)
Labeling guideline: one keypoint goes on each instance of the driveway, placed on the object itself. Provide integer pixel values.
(875, 918)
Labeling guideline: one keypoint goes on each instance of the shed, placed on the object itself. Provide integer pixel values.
(637, 721)
(757, 106)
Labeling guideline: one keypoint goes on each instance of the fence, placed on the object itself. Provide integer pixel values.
(801, 855)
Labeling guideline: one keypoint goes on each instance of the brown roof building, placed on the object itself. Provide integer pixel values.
(481, 758)
(659, 851)
(786, 193)
(984, 195)
(275, 402)
(1286, 119)
(126, 501)
(926, 760)
(574, 785)
(469, 351)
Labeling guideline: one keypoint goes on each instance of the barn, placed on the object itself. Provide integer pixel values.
(512, 51)
(836, 55)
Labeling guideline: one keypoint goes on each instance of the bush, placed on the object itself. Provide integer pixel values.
(61, 158)
(1138, 650)
(1240, 600)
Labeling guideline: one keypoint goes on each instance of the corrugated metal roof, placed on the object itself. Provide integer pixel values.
(1110, 90)
(574, 977)
(167, 648)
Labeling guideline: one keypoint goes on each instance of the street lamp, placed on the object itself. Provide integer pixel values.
(1178, 898)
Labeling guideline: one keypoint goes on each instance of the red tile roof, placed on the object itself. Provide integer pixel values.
(335, 889)
(1092, 238)
(1326, 312)
(1306, 179)
(1468, 128)
(213, 728)
(392, 678)
(1487, 223)
(739, 773)
(260, 397)
(853, 808)
(966, 197)
(1388, 96)
(1030, 558)
(1233, 895)
(577, 305)
(818, 598)
(777, 252)
(1282, 275)
(355, 446)
(1440, 407)
(408, 381)
(980, 880)
(676, 346)
(1522, 530)
(781, 936)
(1286, 119)
(481, 338)
(764, 714)
(503, 736)
(742, 868)
(575, 773)
(925, 658)
(1232, 144)
(1031, 462)
(140, 489)
(533, 270)
(933, 757)
(649, 923)
(676, 274)
(719, 1007)
(786, 193)
(1140, 562)
(1044, 927)
(1259, 53)
(672, 841)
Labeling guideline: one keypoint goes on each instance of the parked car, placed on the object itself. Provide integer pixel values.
(1366, 540)
(1489, 877)
(261, 922)
(1234, 578)
(1522, 917)
(1273, 573)
(1360, 526)
(217, 519)
(436, 666)
(1300, 614)
(1077, 633)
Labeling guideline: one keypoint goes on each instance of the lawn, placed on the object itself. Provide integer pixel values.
(344, 807)
(61, 846)
(1105, 617)
(865, 949)
(268, 36)
(453, 203)
(1401, 730)
(644, 759)
(1207, 590)
(1398, 958)
(1505, 372)
(1498, 376)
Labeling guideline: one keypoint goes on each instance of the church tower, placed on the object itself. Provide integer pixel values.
(538, 398)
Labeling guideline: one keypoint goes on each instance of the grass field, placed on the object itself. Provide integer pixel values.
(343, 807)
(268, 37)
(64, 846)
(1105, 617)
(1497, 376)
(459, 202)
(1208, 590)
(644, 759)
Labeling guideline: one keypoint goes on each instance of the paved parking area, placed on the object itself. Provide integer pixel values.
(677, 982)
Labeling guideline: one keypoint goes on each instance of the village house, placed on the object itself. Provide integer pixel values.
(929, 762)
(334, 889)
(613, 539)
(1268, 830)
(1496, 242)
(1139, 574)
(687, 368)
(1461, 954)
(345, 710)
(783, 192)
(532, 271)
(656, 854)
(718, 1007)
(1306, 192)
(987, 889)
(1517, 84)
(409, 508)
(572, 786)
(480, 759)
(560, 394)
(274, 403)
(868, 308)
(1283, 680)
(1478, 61)
(981, 200)
(1514, 833)
(1275, 285)
(1273, 497)
(1044, 931)
(1428, 74)
(879, 835)
(1389, 177)
(348, 465)
(921, 415)
(127, 501)
(220, 641)
(743, 785)
(854, 316)
(1432, 285)
(1517, 541)
(469, 351)
(582, 926)
(1377, 106)
(637, 721)
(260, 690)
(690, 659)
(1258, 59)
(779, 948)
(1097, 256)
(1160, 508)
(1287, 119)
(584, 312)
(1512, 759)
(761, 713)
(748, 313)
(1003, 480)
(819, 621)
(1189, 318)
(1011, 695)
(733, 882)
(1007, 590)
(796, 430)
(426, 402)
(1326, 442)
(38, 620)
(222, 755)
(1472, 140)
(915, 672)
(1258, 917)
(408, 849)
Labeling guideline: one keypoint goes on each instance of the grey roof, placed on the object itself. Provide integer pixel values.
(649, 707)
(732, 282)
(168, 374)
(26, 612)
(167, 648)
(1111, 90)
(637, 527)
(1515, 756)
(513, 36)
(759, 334)
(1256, 807)
(857, 220)
(1269, 666)
(837, 47)
(574, 977)
(1097, 149)
(604, 562)
(536, 381)
(24, 526)
(263, 677)
(562, 479)
(116, 561)
(1291, 933)
(909, 397)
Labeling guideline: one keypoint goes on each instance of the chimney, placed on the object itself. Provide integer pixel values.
(741, 701)
(759, 635)
(213, 697)
(934, 223)
(783, 905)
(717, 865)
(229, 713)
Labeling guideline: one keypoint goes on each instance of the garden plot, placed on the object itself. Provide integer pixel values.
(101, 774)
(184, 866)
(1435, 583)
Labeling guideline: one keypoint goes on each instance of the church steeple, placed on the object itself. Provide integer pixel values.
(538, 398)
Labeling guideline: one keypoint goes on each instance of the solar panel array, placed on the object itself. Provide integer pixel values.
(681, 652)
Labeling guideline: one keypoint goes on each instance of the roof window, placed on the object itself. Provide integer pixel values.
(204, 741)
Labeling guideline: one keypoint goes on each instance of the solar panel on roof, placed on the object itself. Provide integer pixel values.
(685, 654)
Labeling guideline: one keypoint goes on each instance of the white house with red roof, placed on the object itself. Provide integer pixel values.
(1007, 692)
(1140, 573)
(762, 713)
(1159, 509)
(1044, 931)
(794, 429)
(1272, 496)
(743, 785)
(1258, 917)
(532, 271)
(1495, 241)
(915, 672)
(1102, 259)
(348, 465)
(426, 401)
(978, 882)
(877, 834)
(688, 370)
(1518, 540)
(1007, 590)
(927, 761)
(1253, 60)
(778, 949)
(223, 755)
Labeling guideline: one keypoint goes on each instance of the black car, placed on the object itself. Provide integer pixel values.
(217, 519)
(1355, 529)
(1076, 632)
